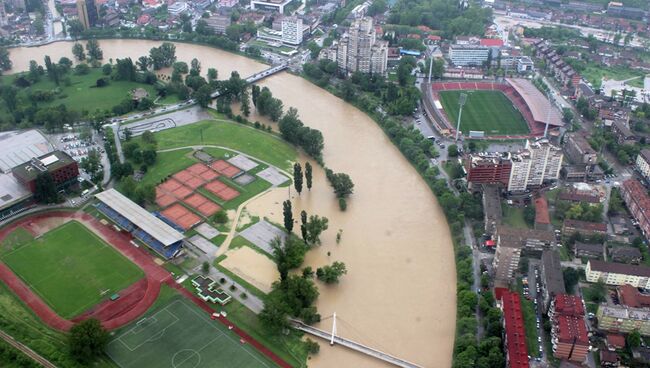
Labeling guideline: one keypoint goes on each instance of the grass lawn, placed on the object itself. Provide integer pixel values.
(21, 323)
(595, 73)
(82, 94)
(489, 111)
(253, 142)
(15, 240)
(180, 334)
(168, 163)
(71, 268)
(514, 216)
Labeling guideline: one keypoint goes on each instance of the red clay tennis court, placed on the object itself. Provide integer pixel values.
(225, 168)
(170, 185)
(215, 186)
(203, 205)
(228, 194)
(165, 200)
(183, 176)
(198, 168)
(181, 216)
(209, 175)
(182, 192)
(194, 182)
(221, 190)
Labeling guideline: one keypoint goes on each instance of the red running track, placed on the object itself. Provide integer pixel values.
(120, 315)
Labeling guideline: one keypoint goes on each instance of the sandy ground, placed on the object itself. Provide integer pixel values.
(253, 267)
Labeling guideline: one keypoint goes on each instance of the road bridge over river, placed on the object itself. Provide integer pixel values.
(258, 76)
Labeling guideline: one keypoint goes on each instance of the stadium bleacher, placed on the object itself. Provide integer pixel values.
(167, 252)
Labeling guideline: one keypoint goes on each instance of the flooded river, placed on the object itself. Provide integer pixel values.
(399, 293)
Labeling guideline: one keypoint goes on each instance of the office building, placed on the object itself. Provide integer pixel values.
(271, 5)
(87, 13)
(618, 273)
(292, 30)
(468, 55)
(63, 169)
(359, 50)
(218, 23)
(638, 203)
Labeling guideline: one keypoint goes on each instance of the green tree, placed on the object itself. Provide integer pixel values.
(143, 63)
(205, 267)
(34, 75)
(87, 340)
(330, 274)
(75, 28)
(452, 150)
(314, 228)
(94, 51)
(308, 175)
(107, 69)
(78, 51)
(221, 217)
(212, 74)
(203, 95)
(342, 183)
(92, 165)
(633, 339)
(288, 215)
(303, 225)
(297, 177)
(571, 278)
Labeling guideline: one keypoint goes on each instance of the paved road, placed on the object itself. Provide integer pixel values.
(27, 351)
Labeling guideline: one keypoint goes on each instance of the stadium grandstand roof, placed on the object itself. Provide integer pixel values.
(538, 103)
(140, 217)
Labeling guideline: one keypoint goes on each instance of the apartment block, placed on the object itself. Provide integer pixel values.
(621, 318)
(218, 23)
(468, 55)
(360, 50)
(568, 332)
(643, 163)
(618, 273)
(514, 339)
(579, 151)
(637, 201)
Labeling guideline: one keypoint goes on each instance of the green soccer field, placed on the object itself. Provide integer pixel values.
(488, 111)
(181, 335)
(71, 268)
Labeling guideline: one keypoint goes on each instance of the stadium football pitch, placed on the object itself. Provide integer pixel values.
(487, 111)
(181, 335)
(71, 268)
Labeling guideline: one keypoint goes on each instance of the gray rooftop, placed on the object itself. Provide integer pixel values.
(20, 146)
(140, 217)
(11, 190)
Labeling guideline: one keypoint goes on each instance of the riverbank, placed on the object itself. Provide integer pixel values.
(400, 291)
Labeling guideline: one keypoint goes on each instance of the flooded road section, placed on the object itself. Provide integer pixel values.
(399, 293)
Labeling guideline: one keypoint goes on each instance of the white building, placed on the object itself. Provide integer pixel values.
(273, 5)
(539, 162)
(359, 50)
(643, 163)
(468, 55)
(177, 8)
(618, 273)
(292, 30)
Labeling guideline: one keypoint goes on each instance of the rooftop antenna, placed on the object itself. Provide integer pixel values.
(461, 102)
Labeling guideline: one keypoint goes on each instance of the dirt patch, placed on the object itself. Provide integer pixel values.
(253, 267)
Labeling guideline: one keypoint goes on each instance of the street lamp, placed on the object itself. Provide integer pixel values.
(461, 102)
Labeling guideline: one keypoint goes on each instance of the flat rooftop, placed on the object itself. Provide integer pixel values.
(19, 147)
(11, 190)
(140, 217)
(51, 161)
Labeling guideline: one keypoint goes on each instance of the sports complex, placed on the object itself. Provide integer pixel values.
(510, 109)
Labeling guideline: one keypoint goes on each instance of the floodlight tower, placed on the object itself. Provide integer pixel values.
(430, 67)
(461, 102)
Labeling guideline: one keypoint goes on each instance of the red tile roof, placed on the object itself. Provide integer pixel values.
(639, 193)
(615, 340)
(492, 42)
(630, 296)
(514, 326)
(586, 225)
(569, 305)
(572, 329)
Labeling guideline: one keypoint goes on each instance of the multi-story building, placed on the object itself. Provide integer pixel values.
(468, 55)
(579, 151)
(538, 163)
(621, 318)
(569, 332)
(490, 168)
(87, 13)
(552, 278)
(595, 251)
(643, 163)
(637, 201)
(510, 243)
(359, 50)
(623, 133)
(570, 227)
(292, 30)
(177, 8)
(218, 23)
(618, 273)
(514, 334)
(3, 14)
(630, 296)
(272, 5)
(626, 255)
(63, 169)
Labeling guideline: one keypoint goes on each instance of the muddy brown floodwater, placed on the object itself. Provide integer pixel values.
(399, 293)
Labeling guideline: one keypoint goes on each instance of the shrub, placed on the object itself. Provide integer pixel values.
(343, 204)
